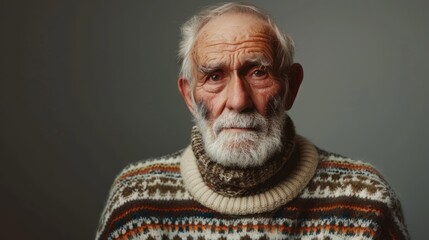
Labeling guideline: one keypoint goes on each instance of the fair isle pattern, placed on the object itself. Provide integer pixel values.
(345, 199)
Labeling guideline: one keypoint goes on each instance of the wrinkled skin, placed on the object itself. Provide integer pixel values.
(233, 58)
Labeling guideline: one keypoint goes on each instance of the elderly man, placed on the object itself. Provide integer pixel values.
(246, 174)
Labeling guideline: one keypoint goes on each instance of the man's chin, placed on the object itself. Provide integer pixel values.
(238, 155)
(240, 147)
(237, 134)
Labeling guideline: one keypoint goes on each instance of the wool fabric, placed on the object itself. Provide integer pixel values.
(326, 196)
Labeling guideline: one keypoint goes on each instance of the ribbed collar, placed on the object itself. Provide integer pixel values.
(292, 183)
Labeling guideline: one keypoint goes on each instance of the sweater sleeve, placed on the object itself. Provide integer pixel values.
(370, 188)
(113, 204)
(137, 184)
(394, 226)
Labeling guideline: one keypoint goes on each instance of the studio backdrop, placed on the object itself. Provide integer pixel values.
(87, 87)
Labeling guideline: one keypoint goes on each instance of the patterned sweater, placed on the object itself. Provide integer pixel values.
(344, 199)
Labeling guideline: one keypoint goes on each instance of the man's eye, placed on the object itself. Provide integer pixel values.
(260, 73)
(214, 77)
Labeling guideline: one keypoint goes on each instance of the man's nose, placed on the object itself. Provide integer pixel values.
(239, 95)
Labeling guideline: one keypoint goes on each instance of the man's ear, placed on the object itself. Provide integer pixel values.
(295, 77)
(185, 90)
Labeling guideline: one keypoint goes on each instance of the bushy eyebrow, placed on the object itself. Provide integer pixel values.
(210, 68)
(256, 61)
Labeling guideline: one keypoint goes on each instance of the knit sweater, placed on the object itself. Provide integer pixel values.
(166, 198)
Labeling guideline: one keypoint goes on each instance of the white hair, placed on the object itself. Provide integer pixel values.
(284, 43)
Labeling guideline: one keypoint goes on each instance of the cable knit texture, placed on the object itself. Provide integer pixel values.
(325, 196)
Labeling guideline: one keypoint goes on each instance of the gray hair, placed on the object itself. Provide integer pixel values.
(284, 43)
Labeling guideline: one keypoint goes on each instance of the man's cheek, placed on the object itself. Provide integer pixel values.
(273, 105)
(203, 110)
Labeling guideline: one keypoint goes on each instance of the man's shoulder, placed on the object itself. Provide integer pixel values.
(167, 165)
(358, 183)
(340, 176)
(144, 181)
(335, 163)
(168, 159)
(153, 179)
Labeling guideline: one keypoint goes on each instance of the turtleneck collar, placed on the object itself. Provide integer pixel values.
(295, 174)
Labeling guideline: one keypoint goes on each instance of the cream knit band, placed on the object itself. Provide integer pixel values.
(276, 196)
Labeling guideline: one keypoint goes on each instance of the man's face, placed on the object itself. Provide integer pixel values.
(233, 56)
(238, 98)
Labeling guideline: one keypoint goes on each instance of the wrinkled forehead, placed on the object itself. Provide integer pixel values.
(234, 31)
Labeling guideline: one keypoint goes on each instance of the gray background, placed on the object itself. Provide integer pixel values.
(88, 87)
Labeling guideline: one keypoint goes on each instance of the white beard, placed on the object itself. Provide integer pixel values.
(241, 148)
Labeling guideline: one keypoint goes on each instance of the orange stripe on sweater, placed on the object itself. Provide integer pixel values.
(136, 209)
(348, 165)
(355, 208)
(149, 169)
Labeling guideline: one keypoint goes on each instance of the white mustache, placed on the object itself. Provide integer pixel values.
(239, 120)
